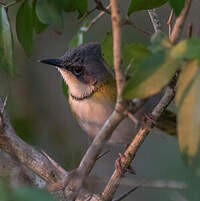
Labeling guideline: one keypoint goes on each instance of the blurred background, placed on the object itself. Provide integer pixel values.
(41, 115)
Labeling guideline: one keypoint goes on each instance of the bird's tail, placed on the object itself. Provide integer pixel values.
(167, 122)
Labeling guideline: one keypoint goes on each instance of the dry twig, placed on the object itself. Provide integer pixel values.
(155, 20)
(179, 23)
(169, 22)
(94, 20)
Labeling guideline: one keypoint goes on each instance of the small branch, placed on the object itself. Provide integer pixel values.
(101, 7)
(129, 22)
(155, 20)
(135, 144)
(126, 194)
(180, 21)
(117, 59)
(2, 3)
(93, 21)
(12, 3)
(170, 21)
(190, 30)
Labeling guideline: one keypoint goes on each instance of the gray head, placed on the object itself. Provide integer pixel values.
(82, 68)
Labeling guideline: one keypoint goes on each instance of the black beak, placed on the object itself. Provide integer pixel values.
(54, 62)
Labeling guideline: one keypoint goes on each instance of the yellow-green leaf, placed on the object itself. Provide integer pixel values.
(6, 43)
(24, 26)
(135, 51)
(188, 102)
(160, 41)
(107, 49)
(186, 49)
(151, 75)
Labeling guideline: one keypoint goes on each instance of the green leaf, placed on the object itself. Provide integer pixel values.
(74, 5)
(159, 41)
(6, 43)
(76, 40)
(151, 75)
(137, 5)
(177, 5)
(24, 27)
(187, 49)
(107, 49)
(81, 6)
(135, 51)
(32, 194)
(38, 25)
(49, 12)
(188, 102)
(68, 6)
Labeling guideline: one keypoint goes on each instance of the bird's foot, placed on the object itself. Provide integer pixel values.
(119, 168)
(148, 121)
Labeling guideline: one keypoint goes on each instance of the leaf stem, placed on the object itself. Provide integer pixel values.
(12, 3)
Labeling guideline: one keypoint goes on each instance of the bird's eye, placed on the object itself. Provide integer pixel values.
(77, 70)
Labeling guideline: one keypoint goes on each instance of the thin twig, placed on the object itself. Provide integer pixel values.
(94, 20)
(12, 3)
(155, 20)
(131, 23)
(103, 154)
(117, 58)
(2, 3)
(100, 6)
(169, 22)
(4, 105)
(133, 118)
(190, 30)
(126, 194)
(180, 21)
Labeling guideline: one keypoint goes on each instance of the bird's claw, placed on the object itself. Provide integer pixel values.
(148, 121)
(119, 168)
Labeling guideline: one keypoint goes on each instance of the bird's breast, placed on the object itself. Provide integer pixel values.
(91, 113)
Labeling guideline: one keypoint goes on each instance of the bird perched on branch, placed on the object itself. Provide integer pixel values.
(92, 93)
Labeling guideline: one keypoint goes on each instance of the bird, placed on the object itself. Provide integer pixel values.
(92, 93)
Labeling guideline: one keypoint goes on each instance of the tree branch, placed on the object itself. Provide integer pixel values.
(143, 132)
(130, 152)
(155, 20)
(94, 20)
(179, 24)
(25, 153)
